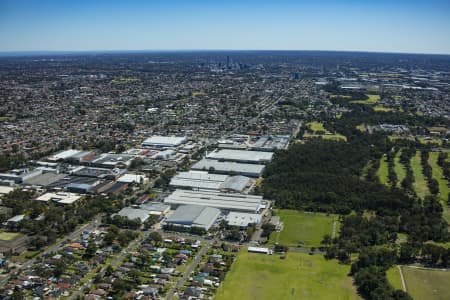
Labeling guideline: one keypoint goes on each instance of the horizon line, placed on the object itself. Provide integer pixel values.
(63, 52)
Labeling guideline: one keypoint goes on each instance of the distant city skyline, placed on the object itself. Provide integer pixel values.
(414, 26)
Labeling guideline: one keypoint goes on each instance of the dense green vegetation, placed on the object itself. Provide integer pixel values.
(344, 178)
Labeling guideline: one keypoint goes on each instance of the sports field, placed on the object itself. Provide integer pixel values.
(298, 276)
(427, 284)
(308, 228)
(420, 183)
(383, 172)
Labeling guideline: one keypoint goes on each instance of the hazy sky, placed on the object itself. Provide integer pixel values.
(379, 25)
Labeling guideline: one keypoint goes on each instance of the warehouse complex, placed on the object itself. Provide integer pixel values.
(224, 201)
(193, 216)
(163, 142)
(199, 181)
(230, 168)
(242, 156)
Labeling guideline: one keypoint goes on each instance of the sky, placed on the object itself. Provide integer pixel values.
(410, 26)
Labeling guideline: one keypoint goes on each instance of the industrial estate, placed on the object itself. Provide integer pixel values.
(225, 175)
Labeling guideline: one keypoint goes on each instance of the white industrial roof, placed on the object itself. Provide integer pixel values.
(129, 178)
(242, 219)
(158, 140)
(64, 154)
(6, 189)
(239, 202)
(241, 155)
(198, 180)
(134, 213)
(60, 197)
(228, 167)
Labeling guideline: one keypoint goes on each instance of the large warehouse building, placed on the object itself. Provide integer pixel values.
(225, 201)
(219, 167)
(203, 181)
(163, 142)
(242, 156)
(193, 216)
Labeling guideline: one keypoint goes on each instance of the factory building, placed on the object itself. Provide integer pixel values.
(270, 143)
(223, 201)
(60, 197)
(203, 181)
(242, 219)
(229, 168)
(193, 216)
(163, 142)
(241, 156)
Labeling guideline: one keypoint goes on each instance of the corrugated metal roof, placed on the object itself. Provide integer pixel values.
(241, 155)
(236, 183)
(226, 201)
(194, 215)
(212, 165)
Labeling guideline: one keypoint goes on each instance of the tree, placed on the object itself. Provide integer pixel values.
(90, 249)
(155, 237)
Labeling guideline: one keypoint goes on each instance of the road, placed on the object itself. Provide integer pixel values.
(57, 245)
(187, 273)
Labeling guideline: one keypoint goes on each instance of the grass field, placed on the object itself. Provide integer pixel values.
(383, 171)
(308, 228)
(427, 284)
(399, 168)
(316, 126)
(4, 119)
(436, 142)
(443, 184)
(382, 108)
(7, 236)
(299, 276)
(373, 99)
(393, 276)
(420, 183)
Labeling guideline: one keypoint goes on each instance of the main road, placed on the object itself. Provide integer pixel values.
(187, 273)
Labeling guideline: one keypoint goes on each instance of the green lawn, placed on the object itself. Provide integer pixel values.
(308, 228)
(373, 99)
(399, 168)
(316, 126)
(7, 236)
(383, 171)
(443, 184)
(317, 130)
(382, 108)
(427, 284)
(393, 276)
(420, 183)
(299, 276)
